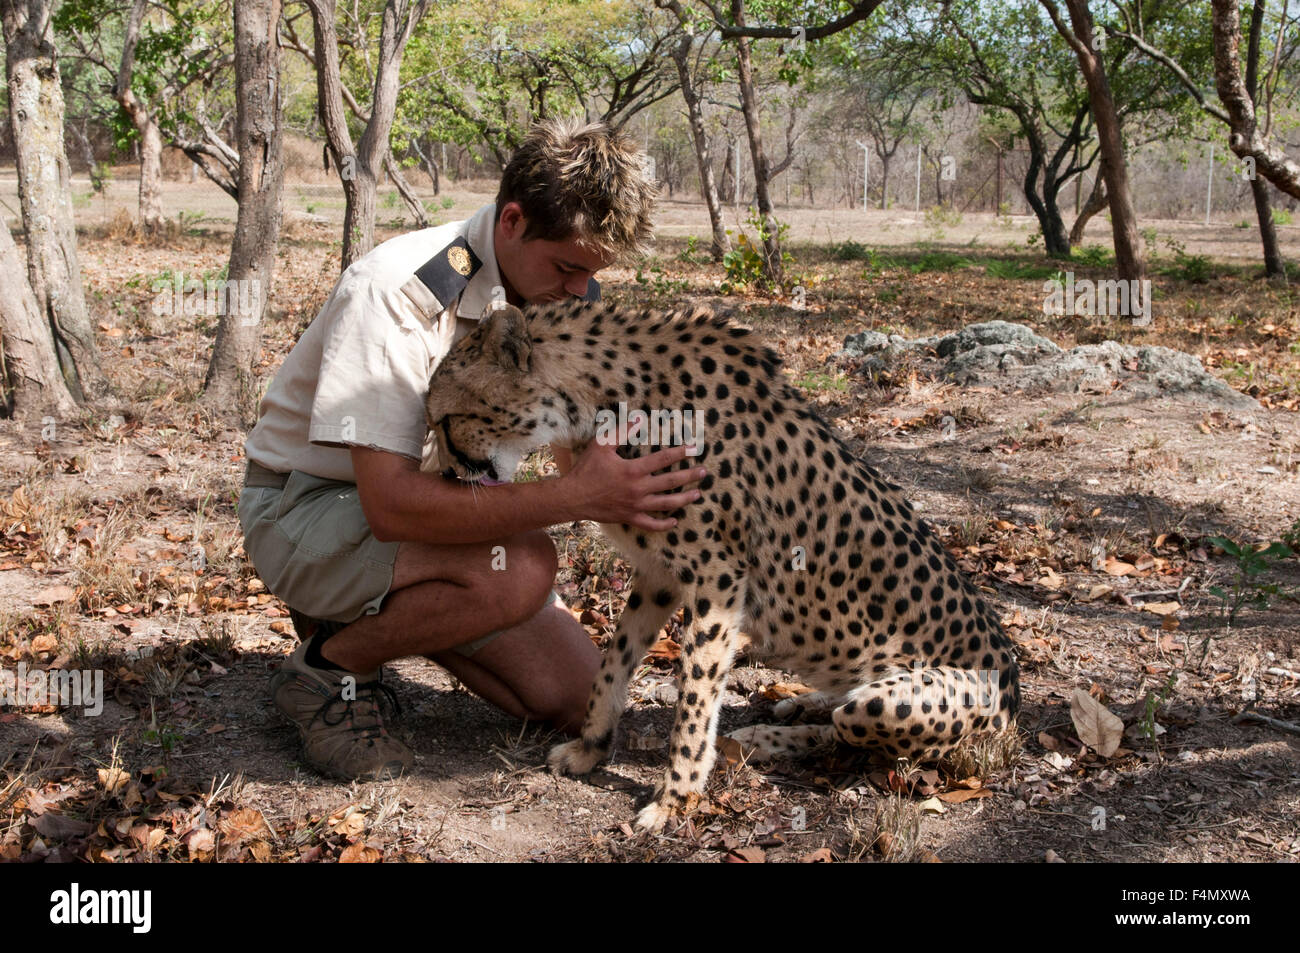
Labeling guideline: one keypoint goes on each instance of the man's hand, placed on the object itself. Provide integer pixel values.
(604, 487)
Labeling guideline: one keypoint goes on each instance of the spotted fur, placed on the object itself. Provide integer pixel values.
(795, 542)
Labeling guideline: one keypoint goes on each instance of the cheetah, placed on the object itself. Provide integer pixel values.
(795, 542)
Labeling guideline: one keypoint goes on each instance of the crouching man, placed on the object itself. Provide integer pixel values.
(379, 560)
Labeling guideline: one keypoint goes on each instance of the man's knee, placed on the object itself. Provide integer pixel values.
(533, 574)
(520, 583)
(563, 708)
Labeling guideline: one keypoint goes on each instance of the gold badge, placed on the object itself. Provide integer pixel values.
(459, 259)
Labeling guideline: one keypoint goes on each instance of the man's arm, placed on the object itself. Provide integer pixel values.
(402, 503)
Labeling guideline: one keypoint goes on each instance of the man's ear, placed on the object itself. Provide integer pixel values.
(506, 340)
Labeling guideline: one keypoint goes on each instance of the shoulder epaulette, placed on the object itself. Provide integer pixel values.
(446, 274)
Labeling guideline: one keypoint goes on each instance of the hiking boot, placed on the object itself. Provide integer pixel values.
(338, 715)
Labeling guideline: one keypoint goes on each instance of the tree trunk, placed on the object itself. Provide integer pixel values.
(1045, 207)
(1129, 259)
(681, 56)
(44, 191)
(359, 166)
(151, 147)
(728, 164)
(1274, 266)
(1097, 200)
(430, 164)
(34, 386)
(230, 383)
(151, 213)
(1245, 139)
(773, 266)
(413, 203)
(885, 161)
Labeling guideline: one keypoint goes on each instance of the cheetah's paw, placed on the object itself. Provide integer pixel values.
(654, 816)
(574, 757)
(787, 708)
(756, 741)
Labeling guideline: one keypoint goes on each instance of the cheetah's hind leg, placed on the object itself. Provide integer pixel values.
(788, 709)
(921, 714)
(765, 742)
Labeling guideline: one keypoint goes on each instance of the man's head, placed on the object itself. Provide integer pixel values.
(573, 200)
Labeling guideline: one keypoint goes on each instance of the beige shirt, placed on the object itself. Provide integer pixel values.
(359, 374)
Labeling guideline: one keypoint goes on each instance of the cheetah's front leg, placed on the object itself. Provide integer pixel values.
(652, 601)
(706, 658)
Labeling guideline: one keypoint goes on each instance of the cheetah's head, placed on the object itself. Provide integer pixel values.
(485, 404)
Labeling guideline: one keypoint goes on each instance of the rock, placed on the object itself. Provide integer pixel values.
(976, 363)
(993, 333)
(1089, 367)
(865, 342)
(1014, 357)
(1177, 371)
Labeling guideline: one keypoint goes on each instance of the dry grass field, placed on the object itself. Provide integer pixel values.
(1085, 516)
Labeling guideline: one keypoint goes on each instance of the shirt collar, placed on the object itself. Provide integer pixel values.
(477, 296)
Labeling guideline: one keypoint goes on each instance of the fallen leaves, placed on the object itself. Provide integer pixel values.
(1096, 725)
(360, 853)
(54, 595)
(111, 778)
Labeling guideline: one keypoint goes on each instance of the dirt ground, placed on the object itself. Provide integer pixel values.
(1086, 517)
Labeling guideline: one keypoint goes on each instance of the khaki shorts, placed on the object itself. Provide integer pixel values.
(310, 543)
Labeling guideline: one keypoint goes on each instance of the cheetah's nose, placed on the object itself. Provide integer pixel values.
(449, 474)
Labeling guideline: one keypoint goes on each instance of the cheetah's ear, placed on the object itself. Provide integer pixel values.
(506, 340)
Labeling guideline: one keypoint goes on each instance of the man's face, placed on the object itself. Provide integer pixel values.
(538, 270)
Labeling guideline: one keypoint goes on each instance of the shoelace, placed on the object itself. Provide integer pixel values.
(365, 693)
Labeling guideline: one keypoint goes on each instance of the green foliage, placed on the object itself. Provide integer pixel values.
(188, 220)
(850, 250)
(939, 261)
(1193, 268)
(658, 282)
(478, 72)
(1247, 588)
(183, 62)
(746, 263)
(687, 254)
(1281, 216)
(1095, 256)
(818, 381)
(1154, 701)
(1018, 270)
(1292, 536)
(940, 216)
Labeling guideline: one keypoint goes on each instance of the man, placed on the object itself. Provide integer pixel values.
(379, 560)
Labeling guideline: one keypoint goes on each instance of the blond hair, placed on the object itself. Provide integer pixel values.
(581, 179)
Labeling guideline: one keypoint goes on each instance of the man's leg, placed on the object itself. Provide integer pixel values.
(540, 667)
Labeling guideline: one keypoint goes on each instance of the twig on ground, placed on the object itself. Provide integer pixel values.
(1264, 719)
